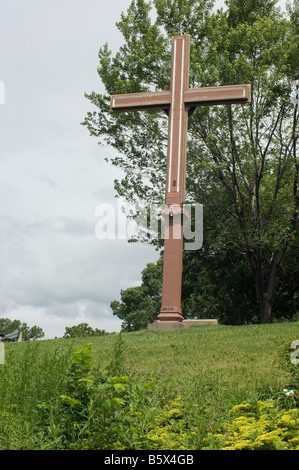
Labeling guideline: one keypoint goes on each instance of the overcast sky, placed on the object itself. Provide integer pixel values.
(54, 272)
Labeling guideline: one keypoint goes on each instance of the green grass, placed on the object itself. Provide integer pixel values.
(244, 357)
(213, 366)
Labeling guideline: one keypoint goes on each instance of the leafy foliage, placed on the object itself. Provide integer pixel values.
(81, 331)
(215, 285)
(170, 428)
(260, 427)
(219, 285)
(108, 410)
(140, 305)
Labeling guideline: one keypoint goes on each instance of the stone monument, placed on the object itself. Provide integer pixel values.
(177, 101)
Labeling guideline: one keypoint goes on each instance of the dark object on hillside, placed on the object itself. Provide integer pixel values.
(14, 336)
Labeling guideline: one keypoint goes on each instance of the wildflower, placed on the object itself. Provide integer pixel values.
(288, 393)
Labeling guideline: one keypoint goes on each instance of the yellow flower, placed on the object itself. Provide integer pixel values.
(241, 407)
(289, 419)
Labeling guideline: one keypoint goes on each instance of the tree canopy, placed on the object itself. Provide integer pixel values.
(82, 330)
(242, 160)
(140, 305)
(9, 326)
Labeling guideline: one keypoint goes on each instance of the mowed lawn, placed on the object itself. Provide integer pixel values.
(245, 356)
(240, 356)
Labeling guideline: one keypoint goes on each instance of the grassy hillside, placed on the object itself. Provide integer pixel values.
(212, 367)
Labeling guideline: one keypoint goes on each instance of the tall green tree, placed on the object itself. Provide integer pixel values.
(140, 305)
(242, 161)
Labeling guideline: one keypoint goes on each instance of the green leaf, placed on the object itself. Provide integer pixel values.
(71, 401)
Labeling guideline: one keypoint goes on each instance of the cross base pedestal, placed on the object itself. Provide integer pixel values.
(165, 325)
(172, 325)
(170, 316)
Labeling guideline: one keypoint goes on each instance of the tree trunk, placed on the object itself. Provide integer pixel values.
(263, 299)
(265, 283)
(267, 306)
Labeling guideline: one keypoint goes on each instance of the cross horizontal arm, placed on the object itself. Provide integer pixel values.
(140, 101)
(231, 94)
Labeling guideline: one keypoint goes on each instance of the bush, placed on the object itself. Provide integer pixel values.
(104, 411)
(170, 428)
(261, 426)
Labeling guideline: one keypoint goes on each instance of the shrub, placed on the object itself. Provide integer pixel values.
(262, 426)
(170, 428)
(103, 411)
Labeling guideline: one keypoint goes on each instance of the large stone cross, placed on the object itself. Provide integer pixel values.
(177, 101)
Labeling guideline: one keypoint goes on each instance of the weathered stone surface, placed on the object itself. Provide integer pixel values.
(172, 325)
(203, 321)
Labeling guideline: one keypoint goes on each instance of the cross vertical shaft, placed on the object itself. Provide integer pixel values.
(178, 118)
(175, 183)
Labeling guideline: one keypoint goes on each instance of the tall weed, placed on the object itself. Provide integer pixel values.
(102, 410)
